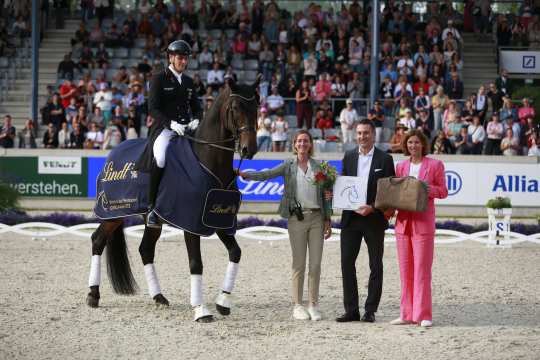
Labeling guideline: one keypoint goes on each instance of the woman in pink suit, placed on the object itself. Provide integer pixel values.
(415, 232)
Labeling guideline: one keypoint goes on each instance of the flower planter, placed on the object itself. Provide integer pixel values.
(499, 225)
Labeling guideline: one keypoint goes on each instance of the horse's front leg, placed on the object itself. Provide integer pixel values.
(223, 300)
(147, 250)
(193, 245)
(99, 240)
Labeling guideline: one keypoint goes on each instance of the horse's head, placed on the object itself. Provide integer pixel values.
(242, 105)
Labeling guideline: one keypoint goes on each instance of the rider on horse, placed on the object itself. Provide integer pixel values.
(174, 105)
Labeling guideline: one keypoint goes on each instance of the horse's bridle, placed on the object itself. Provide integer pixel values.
(239, 130)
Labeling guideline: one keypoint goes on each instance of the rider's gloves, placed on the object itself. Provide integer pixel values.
(193, 124)
(178, 128)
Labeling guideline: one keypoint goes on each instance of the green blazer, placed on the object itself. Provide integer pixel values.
(288, 169)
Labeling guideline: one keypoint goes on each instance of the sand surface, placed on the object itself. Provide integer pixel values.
(486, 306)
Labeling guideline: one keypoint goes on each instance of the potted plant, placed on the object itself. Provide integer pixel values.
(499, 206)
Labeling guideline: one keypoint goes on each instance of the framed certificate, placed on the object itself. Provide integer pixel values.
(349, 192)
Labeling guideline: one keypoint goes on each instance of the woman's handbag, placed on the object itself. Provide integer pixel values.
(403, 193)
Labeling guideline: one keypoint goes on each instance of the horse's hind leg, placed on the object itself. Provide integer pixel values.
(99, 240)
(223, 300)
(147, 250)
(193, 245)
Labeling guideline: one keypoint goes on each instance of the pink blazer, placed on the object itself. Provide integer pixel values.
(432, 172)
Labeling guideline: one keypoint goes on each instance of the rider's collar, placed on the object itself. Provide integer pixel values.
(176, 74)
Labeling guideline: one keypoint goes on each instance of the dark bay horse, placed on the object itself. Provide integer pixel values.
(231, 119)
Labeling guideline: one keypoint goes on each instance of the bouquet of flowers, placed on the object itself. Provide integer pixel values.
(325, 176)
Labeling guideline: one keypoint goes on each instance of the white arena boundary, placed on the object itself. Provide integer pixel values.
(41, 230)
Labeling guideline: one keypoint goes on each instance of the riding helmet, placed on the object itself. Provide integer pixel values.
(179, 47)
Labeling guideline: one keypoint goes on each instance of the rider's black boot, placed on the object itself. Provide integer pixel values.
(152, 220)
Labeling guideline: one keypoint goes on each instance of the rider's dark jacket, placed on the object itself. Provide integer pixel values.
(168, 100)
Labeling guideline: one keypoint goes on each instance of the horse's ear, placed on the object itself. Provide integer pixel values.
(257, 81)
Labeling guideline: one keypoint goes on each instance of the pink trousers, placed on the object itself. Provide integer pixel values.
(415, 255)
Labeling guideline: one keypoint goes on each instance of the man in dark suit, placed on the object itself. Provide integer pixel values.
(366, 222)
(455, 87)
(174, 105)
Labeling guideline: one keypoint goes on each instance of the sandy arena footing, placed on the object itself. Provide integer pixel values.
(486, 306)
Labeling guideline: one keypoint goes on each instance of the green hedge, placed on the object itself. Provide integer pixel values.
(9, 197)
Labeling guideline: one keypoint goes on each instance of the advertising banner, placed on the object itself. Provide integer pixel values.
(50, 176)
(476, 183)
(520, 62)
(469, 183)
(269, 190)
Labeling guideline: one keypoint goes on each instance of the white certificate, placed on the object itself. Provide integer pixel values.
(349, 192)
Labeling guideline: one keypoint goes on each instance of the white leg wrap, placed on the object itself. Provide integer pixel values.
(224, 300)
(152, 280)
(230, 277)
(95, 271)
(196, 290)
(200, 312)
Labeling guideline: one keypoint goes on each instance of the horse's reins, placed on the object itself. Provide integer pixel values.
(215, 143)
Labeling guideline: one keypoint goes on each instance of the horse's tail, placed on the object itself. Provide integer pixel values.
(118, 267)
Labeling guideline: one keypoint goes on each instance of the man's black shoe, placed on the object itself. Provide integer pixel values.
(368, 317)
(348, 317)
(152, 220)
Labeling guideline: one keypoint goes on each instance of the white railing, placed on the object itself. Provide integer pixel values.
(40, 230)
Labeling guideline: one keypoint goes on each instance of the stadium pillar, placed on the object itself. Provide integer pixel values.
(374, 73)
(35, 60)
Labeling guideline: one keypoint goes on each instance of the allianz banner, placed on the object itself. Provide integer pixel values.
(475, 183)
(46, 176)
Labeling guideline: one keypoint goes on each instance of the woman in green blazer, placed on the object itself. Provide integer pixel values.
(308, 217)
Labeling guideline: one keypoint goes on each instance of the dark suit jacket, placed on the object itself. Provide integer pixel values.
(382, 165)
(168, 100)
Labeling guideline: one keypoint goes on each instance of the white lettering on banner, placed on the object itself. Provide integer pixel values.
(59, 165)
(474, 183)
(253, 187)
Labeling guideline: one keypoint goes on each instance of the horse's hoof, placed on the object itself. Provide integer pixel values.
(92, 301)
(223, 310)
(206, 319)
(224, 304)
(161, 301)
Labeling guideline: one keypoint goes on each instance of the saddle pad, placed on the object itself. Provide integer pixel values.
(220, 208)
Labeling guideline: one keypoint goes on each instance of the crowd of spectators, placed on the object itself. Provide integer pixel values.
(315, 63)
(14, 25)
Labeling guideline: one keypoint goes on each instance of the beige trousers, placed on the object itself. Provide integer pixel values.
(303, 235)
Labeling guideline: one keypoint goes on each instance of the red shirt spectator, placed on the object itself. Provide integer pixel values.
(240, 45)
(324, 121)
(67, 91)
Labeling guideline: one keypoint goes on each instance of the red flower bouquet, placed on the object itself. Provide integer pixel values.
(325, 176)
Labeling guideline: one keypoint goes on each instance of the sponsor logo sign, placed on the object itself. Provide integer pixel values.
(57, 178)
(59, 165)
(267, 190)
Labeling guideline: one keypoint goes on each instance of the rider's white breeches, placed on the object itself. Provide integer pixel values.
(160, 146)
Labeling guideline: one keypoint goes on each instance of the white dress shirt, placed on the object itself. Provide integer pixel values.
(176, 74)
(306, 190)
(364, 165)
(414, 170)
